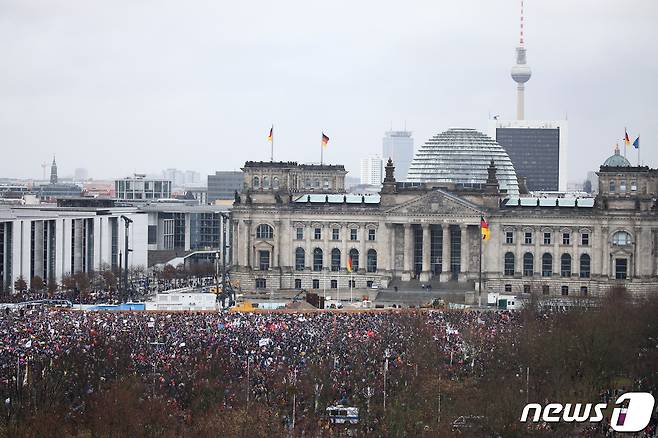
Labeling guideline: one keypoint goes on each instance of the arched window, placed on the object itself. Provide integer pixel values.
(612, 186)
(528, 264)
(621, 238)
(317, 259)
(264, 231)
(622, 186)
(584, 266)
(275, 183)
(266, 182)
(335, 260)
(300, 259)
(372, 260)
(546, 265)
(354, 256)
(565, 265)
(316, 183)
(509, 263)
(256, 182)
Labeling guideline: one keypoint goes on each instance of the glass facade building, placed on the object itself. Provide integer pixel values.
(535, 153)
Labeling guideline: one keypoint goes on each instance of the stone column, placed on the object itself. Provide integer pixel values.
(308, 259)
(605, 253)
(363, 257)
(344, 252)
(408, 252)
(445, 252)
(575, 256)
(464, 253)
(391, 242)
(426, 274)
(247, 241)
(518, 262)
(276, 250)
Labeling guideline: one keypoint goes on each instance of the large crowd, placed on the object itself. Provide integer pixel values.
(174, 353)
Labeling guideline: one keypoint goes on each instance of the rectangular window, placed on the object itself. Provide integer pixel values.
(353, 235)
(566, 238)
(371, 235)
(509, 237)
(528, 237)
(547, 238)
(334, 284)
(264, 260)
(583, 291)
(298, 283)
(299, 233)
(335, 234)
(584, 239)
(545, 289)
(261, 283)
(317, 234)
(526, 288)
(316, 283)
(508, 288)
(565, 290)
(621, 269)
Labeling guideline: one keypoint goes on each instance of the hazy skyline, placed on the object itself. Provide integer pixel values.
(125, 86)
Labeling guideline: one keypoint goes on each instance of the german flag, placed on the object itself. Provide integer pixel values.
(349, 264)
(484, 229)
(627, 140)
(325, 140)
(271, 136)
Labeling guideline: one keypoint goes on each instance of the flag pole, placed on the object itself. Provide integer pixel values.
(480, 271)
(321, 151)
(272, 145)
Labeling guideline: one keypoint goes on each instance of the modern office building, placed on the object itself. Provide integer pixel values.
(50, 242)
(140, 188)
(538, 150)
(399, 147)
(223, 185)
(176, 228)
(371, 171)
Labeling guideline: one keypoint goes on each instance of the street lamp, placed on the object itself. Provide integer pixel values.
(127, 221)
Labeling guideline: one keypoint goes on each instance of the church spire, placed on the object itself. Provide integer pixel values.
(53, 172)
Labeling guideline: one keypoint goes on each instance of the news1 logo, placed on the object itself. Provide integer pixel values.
(632, 418)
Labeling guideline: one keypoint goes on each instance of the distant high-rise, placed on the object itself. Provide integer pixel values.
(223, 184)
(538, 150)
(520, 73)
(53, 172)
(399, 147)
(371, 171)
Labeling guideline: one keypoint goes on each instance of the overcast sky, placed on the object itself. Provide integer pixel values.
(141, 85)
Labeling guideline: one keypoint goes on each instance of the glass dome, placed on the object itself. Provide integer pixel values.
(462, 156)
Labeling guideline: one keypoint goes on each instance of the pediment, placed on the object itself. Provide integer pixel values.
(436, 202)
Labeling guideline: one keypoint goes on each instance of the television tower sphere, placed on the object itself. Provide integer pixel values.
(520, 71)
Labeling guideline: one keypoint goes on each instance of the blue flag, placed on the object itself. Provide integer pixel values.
(636, 143)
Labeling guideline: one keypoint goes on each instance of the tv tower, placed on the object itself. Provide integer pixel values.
(520, 73)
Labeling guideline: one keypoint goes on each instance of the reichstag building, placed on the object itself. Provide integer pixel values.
(294, 226)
